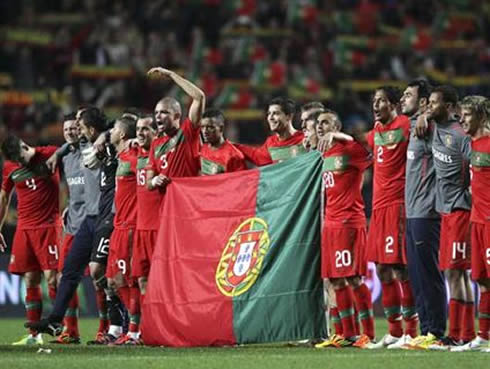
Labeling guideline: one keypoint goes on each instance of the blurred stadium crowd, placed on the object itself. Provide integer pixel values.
(58, 54)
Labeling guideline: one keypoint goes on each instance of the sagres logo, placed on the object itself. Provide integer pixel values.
(242, 257)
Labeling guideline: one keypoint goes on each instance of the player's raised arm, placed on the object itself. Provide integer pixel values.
(198, 97)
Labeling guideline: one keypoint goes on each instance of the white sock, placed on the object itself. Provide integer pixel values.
(115, 330)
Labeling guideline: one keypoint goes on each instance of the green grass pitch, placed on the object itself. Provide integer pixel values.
(251, 356)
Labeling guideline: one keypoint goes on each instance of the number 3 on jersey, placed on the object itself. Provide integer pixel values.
(164, 159)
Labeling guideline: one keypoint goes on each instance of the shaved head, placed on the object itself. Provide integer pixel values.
(172, 104)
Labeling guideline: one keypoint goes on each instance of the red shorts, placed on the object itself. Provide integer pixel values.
(65, 248)
(35, 250)
(386, 236)
(455, 246)
(480, 251)
(343, 252)
(144, 244)
(120, 250)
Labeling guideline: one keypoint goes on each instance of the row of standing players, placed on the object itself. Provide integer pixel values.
(436, 183)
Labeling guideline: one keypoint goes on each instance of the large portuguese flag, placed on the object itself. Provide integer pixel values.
(237, 259)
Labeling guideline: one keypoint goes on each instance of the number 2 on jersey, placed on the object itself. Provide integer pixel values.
(379, 154)
(389, 245)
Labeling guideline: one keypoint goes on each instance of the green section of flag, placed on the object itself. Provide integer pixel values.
(210, 167)
(390, 137)
(286, 301)
(285, 152)
(480, 159)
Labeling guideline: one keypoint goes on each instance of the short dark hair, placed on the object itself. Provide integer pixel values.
(392, 93)
(149, 116)
(128, 125)
(287, 105)
(133, 113)
(11, 148)
(69, 116)
(214, 113)
(449, 94)
(423, 87)
(95, 118)
(312, 105)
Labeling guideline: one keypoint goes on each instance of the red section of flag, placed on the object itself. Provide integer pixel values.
(183, 306)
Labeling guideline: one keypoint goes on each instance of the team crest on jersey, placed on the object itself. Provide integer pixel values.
(242, 257)
(338, 163)
(448, 140)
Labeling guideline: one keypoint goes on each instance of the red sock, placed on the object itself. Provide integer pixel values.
(102, 307)
(392, 307)
(71, 317)
(134, 309)
(484, 315)
(456, 313)
(357, 325)
(409, 311)
(362, 298)
(34, 305)
(345, 306)
(334, 314)
(468, 331)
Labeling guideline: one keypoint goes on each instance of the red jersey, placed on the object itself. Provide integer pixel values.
(148, 201)
(343, 168)
(225, 159)
(37, 190)
(176, 156)
(274, 150)
(389, 144)
(125, 196)
(480, 180)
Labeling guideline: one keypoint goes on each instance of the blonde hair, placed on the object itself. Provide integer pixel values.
(480, 106)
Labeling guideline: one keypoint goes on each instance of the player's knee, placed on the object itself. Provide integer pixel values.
(97, 271)
(142, 282)
(354, 281)
(51, 279)
(484, 284)
(111, 283)
(338, 283)
(385, 272)
(32, 279)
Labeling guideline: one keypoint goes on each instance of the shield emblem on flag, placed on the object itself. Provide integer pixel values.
(242, 258)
